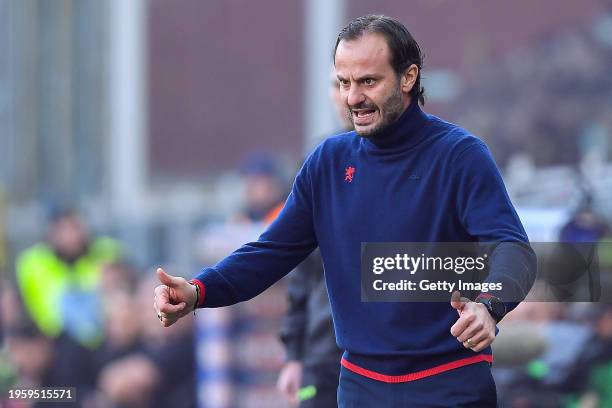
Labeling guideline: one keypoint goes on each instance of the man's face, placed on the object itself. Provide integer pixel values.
(68, 235)
(369, 87)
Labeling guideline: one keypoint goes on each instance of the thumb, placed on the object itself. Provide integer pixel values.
(457, 302)
(166, 279)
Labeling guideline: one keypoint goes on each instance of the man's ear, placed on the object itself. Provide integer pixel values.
(408, 78)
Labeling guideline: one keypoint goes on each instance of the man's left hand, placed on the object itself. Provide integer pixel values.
(475, 327)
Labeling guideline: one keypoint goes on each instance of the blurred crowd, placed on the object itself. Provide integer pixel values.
(551, 100)
(77, 315)
(559, 354)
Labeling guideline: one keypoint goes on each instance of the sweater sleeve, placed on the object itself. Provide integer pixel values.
(487, 214)
(255, 266)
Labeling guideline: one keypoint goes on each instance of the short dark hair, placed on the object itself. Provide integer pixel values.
(405, 51)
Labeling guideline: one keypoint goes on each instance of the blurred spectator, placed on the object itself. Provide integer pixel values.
(530, 382)
(11, 315)
(590, 379)
(585, 225)
(232, 377)
(117, 277)
(574, 271)
(39, 361)
(574, 370)
(600, 373)
(30, 354)
(310, 375)
(265, 188)
(58, 279)
(11, 310)
(122, 334)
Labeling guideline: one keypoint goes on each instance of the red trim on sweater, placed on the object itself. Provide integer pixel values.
(419, 374)
(202, 291)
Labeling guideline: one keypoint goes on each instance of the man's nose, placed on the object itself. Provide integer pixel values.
(355, 96)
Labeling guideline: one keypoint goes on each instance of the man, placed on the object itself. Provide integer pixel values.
(311, 373)
(58, 279)
(357, 187)
(58, 282)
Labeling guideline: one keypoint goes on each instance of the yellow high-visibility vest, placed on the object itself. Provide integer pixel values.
(44, 279)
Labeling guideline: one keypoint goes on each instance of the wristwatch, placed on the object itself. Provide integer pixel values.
(494, 305)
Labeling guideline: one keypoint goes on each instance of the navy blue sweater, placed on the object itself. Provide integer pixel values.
(428, 181)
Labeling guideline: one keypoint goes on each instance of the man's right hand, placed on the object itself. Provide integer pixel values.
(289, 381)
(174, 298)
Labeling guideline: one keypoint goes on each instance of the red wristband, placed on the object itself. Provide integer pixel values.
(201, 292)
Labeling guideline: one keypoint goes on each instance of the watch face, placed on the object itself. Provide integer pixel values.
(497, 307)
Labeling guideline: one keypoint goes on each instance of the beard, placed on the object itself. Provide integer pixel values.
(392, 109)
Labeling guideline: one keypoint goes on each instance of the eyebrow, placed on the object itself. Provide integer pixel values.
(362, 77)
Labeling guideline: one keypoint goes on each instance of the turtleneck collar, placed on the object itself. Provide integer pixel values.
(403, 134)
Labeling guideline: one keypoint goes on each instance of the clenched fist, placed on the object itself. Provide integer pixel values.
(475, 328)
(174, 298)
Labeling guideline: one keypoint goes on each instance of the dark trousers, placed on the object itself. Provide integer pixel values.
(322, 382)
(471, 386)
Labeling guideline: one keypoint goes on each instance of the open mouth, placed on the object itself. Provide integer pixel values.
(363, 116)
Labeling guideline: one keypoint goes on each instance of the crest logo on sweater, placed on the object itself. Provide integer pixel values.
(349, 173)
